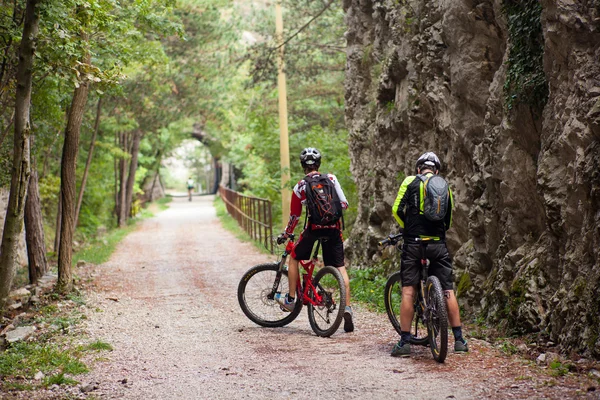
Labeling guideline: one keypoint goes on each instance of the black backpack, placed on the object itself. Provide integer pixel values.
(436, 197)
(322, 201)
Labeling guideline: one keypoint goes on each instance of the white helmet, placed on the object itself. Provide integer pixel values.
(310, 156)
(429, 159)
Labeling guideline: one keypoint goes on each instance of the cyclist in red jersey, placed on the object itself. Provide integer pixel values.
(332, 246)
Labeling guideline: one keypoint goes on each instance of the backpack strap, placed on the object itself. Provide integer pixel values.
(306, 189)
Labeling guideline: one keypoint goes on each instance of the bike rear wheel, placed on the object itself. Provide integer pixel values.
(437, 321)
(325, 318)
(254, 291)
(393, 301)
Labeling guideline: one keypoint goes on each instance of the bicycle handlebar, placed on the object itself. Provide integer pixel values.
(391, 240)
(281, 239)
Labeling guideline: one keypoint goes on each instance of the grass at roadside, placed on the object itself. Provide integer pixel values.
(55, 354)
(100, 249)
(163, 203)
(232, 226)
(367, 287)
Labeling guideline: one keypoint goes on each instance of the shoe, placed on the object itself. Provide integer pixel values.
(401, 349)
(348, 324)
(284, 303)
(461, 346)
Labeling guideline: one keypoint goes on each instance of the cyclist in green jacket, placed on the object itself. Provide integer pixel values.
(407, 211)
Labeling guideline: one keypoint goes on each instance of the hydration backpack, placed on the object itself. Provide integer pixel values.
(322, 201)
(435, 197)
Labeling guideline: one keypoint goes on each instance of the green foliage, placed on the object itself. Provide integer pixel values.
(508, 348)
(241, 108)
(559, 369)
(400, 176)
(367, 286)
(525, 79)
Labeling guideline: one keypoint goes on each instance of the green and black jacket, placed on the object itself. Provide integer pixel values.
(408, 211)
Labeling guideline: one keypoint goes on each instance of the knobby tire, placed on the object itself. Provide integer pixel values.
(437, 321)
(263, 276)
(333, 312)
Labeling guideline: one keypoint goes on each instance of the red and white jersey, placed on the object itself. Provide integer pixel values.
(299, 199)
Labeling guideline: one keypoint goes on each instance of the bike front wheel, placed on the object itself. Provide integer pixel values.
(325, 317)
(254, 295)
(393, 302)
(437, 321)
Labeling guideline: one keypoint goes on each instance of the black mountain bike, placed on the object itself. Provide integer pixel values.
(430, 322)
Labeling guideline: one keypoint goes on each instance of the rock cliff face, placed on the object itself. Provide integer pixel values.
(454, 77)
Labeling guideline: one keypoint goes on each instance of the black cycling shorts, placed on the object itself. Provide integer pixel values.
(440, 264)
(332, 246)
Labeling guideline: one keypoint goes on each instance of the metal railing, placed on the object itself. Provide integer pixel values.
(253, 214)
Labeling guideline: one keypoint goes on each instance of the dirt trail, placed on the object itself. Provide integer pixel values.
(178, 332)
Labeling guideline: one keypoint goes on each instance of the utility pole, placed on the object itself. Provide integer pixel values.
(284, 146)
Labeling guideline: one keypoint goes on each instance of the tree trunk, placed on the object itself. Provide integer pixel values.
(58, 224)
(217, 166)
(68, 184)
(34, 230)
(13, 223)
(135, 148)
(116, 172)
(89, 160)
(157, 176)
(122, 216)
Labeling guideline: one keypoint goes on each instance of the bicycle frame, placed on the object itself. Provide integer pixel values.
(421, 299)
(307, 292)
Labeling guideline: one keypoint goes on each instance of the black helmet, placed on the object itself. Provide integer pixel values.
(429, 159)
(310, 156)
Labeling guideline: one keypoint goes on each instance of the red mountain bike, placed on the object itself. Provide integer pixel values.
(324, 294)
(430, 322)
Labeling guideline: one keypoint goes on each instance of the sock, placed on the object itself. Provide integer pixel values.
(457, 331)
(405, 336)
(290, 299)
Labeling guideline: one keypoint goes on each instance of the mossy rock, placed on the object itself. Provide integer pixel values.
(464, 284)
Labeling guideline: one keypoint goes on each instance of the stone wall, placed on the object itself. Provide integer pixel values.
(430, 75)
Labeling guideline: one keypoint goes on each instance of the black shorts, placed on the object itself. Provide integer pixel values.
(332, 246)
(439, 259)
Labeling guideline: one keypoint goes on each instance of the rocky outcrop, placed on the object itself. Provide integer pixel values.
(514, 114)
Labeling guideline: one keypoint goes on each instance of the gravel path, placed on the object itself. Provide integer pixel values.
(178, 333)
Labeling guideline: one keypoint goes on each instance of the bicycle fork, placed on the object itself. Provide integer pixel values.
(271, 295)
(424, 272)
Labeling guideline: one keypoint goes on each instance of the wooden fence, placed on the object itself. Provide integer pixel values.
(253, 214)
